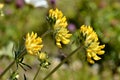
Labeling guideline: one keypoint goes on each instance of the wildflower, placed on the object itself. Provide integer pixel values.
(57, 16)
(60, 27)
(33, 43)
(1, 5)
(53, 2)
(71, 27)
(19, 3)
(60, 23)
(62, 36)
(91, 43)
(1, 11)
(42, 56)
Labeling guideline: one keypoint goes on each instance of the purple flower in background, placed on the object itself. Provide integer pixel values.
(19, 3)
(53, 2)
(71, 27)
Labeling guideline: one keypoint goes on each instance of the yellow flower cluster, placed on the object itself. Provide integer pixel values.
(56, 14)
(60, 27)
(60, 20)
(33, 46)
(1, 11)
(33, 43)
(91, 43)
(62, 36)
(43, 56)
(1, 5)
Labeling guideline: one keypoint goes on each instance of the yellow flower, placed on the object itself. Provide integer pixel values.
(60, 27)
(60, 20)
(1, 5)
(33, 43)
(60, 23)
(42, 56)
(91, 43)
(1, 11)
(55, 14)
(62, 36)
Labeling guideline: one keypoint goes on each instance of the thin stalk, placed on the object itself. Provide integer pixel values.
(62, 62)
(7, 69)
(10, 65)
(43, 35)
(47, 32)
(37, 73)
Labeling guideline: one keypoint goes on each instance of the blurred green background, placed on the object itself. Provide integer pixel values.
(103, 15)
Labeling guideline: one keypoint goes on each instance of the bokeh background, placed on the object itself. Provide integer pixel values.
(23, 16)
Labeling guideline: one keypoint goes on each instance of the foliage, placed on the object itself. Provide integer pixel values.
(102, 15)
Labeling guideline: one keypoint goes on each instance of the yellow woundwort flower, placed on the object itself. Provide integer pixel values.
(91, 43)
(62, 36)
(60, 27)
(33, 43)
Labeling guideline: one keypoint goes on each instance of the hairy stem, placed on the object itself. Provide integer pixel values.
(47, 32)
(37, 73)
(62, 62)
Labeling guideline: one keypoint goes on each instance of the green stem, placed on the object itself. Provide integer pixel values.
(7, 69)
(47, 32)
(43, 35)
(10, 65)
(37, 73)
(57, 67)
